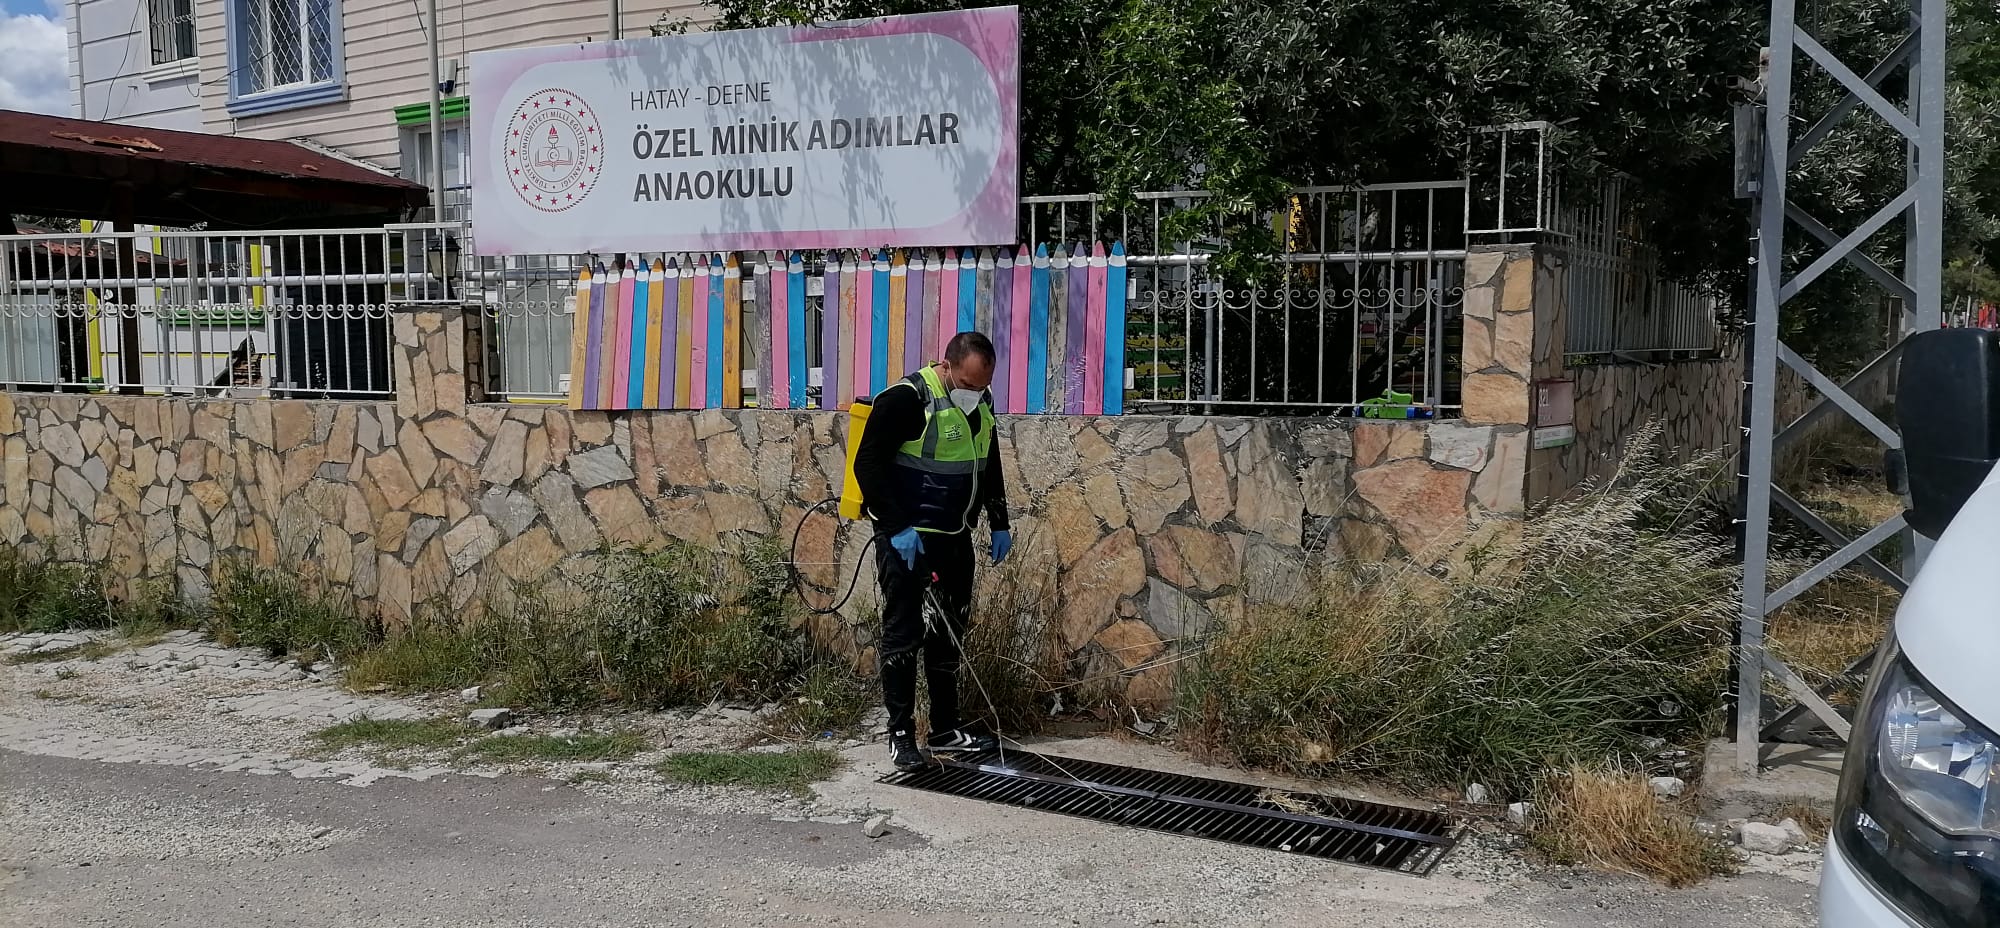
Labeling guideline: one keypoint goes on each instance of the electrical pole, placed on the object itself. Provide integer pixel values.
(437, 114)
(1918, 123)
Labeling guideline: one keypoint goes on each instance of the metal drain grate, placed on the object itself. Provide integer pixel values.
(1364, 833)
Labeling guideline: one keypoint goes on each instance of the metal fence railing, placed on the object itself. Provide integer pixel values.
(294, 314)
(1617, 300)
(1350, 294)
(1361, 296)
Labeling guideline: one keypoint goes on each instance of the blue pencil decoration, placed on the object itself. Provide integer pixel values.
(635, 389)
(878, 355)
(715, 330)
(796, 334)
(968, 289)
(1114, 332)
(1038, 333)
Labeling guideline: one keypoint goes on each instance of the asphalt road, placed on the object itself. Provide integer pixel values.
(84, 843)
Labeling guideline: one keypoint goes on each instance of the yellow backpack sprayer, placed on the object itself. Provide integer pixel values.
(850, 507)
(850, 491)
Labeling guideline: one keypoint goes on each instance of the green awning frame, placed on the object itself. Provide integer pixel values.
(419, 114)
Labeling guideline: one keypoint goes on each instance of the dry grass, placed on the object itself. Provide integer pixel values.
(1014, 654)
(1610, 819)
(1599, 625)
(83, 651)
(1838, 475)
(1810, 815)
(1830, 625)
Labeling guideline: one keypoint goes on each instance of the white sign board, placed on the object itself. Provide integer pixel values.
(901, 131)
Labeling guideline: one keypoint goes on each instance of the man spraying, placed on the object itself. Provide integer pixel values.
(927, 465)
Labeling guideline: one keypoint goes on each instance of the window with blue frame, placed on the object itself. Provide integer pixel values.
(284, 54)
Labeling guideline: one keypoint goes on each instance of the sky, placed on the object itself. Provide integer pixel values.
(34, 57)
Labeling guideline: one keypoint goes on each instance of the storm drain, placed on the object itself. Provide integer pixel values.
(1350, 831)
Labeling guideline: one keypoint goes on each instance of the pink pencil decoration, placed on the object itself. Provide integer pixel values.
(864, 326)
(933, 321)
(779, 383)
(704, 277)
(1015, 315)
(1015, 321)
(947, 301)
(621, 377)
(849, 340)
(1093, 337)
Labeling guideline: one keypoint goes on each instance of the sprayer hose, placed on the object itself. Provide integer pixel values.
(799, 580)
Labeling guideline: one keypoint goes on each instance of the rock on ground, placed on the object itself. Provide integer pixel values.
(1763, 839)
(1518, 813)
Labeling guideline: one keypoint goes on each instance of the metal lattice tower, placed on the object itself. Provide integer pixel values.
(1920, 57)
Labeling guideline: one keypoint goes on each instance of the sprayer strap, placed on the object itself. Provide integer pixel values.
(934, 466)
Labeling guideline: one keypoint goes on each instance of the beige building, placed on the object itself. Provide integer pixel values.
(348, 75)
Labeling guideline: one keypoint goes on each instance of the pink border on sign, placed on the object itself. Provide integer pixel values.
(991, 34)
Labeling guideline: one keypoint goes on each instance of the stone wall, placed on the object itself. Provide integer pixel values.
(1697, 404)
(1134, 531)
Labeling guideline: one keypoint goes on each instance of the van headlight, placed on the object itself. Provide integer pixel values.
(1922, 819)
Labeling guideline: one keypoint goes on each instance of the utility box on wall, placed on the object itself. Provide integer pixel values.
(1554, 422)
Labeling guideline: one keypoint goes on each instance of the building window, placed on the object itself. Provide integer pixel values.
(173, 29)
(416, 163)
(283, 54)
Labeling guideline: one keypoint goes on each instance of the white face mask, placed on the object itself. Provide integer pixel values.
(966, 400)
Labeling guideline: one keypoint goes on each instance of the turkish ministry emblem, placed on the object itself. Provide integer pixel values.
(555, 152)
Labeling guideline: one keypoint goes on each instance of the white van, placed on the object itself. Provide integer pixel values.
(1916, 831)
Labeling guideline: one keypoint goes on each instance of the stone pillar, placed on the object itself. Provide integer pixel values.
(1501, 358)
(432, 361)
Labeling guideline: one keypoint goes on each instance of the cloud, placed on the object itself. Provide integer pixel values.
(34, 64)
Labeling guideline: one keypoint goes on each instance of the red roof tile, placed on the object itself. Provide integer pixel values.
(218, 152)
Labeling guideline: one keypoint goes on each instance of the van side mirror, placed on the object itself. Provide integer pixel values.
(1948, 411)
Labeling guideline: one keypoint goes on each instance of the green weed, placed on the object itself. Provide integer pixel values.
(830, 697)
(276, 611)
(668, 626)
(789, 771)
(391, 734)
(50, 596)
(579, 748)
(431, 654)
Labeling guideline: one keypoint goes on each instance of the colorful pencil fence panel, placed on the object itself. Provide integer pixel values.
(797, 330)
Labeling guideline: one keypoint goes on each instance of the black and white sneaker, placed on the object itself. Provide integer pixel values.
(964, 740)
(903, 751)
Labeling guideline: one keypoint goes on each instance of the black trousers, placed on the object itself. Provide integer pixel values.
(943, 572)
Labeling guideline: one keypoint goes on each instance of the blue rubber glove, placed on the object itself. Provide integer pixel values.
(908, 544)
(1002, 543)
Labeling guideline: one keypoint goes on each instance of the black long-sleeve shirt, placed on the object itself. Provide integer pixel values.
(897, 418)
